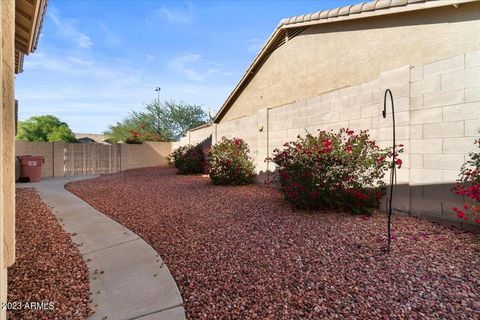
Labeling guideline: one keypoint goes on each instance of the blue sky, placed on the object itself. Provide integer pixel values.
(97, 60)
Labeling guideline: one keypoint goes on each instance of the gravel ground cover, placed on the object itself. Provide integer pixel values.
(241, 253)
(48, 268)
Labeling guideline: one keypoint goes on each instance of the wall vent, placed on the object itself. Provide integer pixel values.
(293, 32)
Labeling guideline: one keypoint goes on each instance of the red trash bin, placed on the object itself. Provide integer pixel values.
(31, 167)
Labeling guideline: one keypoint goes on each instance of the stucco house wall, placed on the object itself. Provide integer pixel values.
(334, 55)
(21, 24)
(7, 134)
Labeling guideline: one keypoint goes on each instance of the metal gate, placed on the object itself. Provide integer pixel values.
(91, 158)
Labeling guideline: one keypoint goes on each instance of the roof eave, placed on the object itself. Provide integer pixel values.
(39, 25)
(28, 26)
(19, 57)
(420, 5)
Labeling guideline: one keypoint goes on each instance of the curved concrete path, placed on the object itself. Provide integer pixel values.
(128, 280)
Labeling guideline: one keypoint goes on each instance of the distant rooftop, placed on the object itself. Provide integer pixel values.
(99, 138)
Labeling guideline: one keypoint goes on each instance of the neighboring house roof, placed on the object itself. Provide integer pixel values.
(290, 27)
(29, 16)
(86, 140)
(91, 137)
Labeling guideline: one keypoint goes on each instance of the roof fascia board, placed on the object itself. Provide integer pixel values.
(36, 12)
(39, 23)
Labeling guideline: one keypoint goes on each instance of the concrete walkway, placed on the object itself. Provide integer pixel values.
(128, 280)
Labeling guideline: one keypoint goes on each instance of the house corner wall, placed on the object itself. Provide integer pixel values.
(7, 146)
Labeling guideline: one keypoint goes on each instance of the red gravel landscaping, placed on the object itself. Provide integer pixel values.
(48, 268)
(241, 253)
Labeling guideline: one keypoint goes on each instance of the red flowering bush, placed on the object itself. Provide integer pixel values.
(142, 134)
(189, 159)
(135, 138)
(229, 163)
(468, 186)
(340, 171)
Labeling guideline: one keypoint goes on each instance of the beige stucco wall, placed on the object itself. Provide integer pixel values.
(331, 56)
(3, 269)
(7, 114)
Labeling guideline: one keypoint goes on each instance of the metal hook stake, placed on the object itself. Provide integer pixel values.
(392, 172)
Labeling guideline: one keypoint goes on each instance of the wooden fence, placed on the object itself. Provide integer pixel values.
(88, 159)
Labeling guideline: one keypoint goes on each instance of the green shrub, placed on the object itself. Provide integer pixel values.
(339, 171)
(189, 159)
(229, 163)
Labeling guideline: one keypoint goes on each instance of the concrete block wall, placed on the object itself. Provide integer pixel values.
(246, 128)
(198, 136)
(358, 107)
(194, 137)
(51, 152)
(445, 118)
(148, 154)
(132, 156)
(182, 142)
(437, 113)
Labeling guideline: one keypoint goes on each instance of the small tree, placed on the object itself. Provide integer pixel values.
(120, 132)
(173, 118)
(167, 121)
(44, 128)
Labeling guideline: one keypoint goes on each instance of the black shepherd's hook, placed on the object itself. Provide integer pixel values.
(392, 172)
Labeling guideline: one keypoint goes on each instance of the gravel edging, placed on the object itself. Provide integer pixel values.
(240, 252)
(48, 266)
